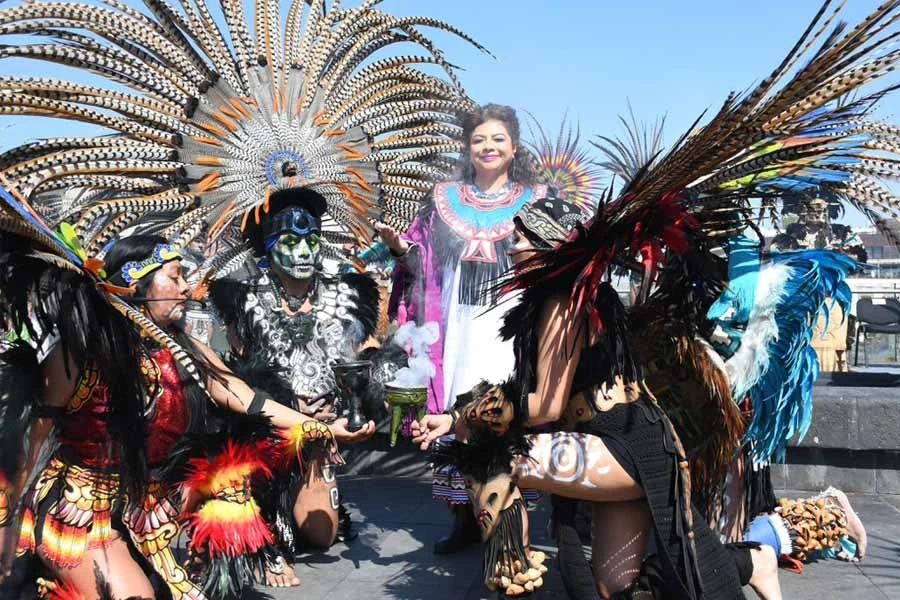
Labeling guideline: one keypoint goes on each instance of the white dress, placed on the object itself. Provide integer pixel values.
(473, 350)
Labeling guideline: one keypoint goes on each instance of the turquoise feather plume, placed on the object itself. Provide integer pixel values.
(800, 286)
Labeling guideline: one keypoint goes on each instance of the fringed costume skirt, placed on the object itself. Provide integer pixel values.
(71, 509)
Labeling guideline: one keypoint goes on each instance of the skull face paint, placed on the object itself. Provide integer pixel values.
(296, 256)
(817, 212)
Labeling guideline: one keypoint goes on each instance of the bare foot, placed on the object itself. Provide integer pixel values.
(280, 574)
(854, 524)
(764, 580)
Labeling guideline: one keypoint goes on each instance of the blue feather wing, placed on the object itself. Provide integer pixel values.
(782, 400)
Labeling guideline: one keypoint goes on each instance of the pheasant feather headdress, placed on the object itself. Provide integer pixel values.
(677, 208)
(209, 120)
(788, 133)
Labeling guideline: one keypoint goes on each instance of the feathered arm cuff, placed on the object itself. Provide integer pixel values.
(298, 437)
(228, 524)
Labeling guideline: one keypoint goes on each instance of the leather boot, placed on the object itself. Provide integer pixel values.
(465, 532)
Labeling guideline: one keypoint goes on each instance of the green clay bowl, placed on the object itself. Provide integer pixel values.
(411, 396)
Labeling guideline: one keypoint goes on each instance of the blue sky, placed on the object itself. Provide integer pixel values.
(590, 57)
(675, 57)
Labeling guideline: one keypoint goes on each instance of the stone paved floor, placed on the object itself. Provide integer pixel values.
(398, 523)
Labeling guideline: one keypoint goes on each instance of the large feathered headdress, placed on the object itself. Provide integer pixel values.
(209, 120)
(788, 133)
(565, 164)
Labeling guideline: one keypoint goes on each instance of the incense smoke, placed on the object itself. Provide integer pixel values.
(416, 340)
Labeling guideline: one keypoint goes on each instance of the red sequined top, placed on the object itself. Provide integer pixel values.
(82, 430)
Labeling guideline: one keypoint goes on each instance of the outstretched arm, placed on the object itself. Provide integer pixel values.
(392, 239)
(559, 350)
(230, 392)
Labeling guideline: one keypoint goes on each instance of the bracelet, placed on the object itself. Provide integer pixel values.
(259, 400)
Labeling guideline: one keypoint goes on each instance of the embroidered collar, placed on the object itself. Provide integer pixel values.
(480, 224)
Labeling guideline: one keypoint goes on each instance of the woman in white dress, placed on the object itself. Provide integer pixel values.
(447, 263)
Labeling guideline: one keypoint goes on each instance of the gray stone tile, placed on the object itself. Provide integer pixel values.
(851, 479)
(879, 425)
(392, 559)
(829, 579)
(887, 481)
(814, 475)
(779, 477)
(836, 424)
(806, 477)
(892, 500)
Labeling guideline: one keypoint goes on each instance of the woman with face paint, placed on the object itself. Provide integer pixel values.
(446, 264)
(616, 450)
(120, 405)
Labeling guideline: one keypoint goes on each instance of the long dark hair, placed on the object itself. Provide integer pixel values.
(41, 298)
(137, 248)
(521, 170)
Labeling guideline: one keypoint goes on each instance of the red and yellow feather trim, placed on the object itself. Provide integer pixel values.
(229, 523)
(293, 440)
(235, 464)
(230, 526)
(82, 516)
(57, 590)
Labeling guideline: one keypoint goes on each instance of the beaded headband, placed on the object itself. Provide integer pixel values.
(548, 221)
(135, 270)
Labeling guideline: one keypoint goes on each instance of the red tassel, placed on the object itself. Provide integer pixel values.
(229, 523)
